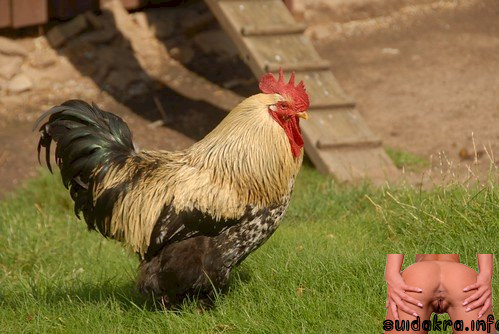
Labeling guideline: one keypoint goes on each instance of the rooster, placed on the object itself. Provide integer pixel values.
(191, 215)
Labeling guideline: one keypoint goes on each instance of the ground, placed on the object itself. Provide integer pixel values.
(422, 73)
(321, 272)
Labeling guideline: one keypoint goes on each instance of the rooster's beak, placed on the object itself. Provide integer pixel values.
(303, 115)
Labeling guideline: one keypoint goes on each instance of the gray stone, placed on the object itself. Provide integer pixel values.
(122, 79)
(183, 54)
(93, 20)
(9, 47)
(20, 83)
(163, 29)
(161, 21)
(102, 36)
(60, 34)
(10, 66)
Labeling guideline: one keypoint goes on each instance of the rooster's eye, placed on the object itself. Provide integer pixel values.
(283, 105)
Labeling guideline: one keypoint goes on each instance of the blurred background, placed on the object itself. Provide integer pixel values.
(424, 73)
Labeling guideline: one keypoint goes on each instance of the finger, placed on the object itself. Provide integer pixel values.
(411, 300)
(407, 310)
(387, 303)
(484, 308)
(412, 288)
(403, 307)
(476, 304)
(394, 311)
(473, 297)
(471, 287)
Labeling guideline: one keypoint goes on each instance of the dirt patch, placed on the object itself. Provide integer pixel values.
(424, 74)
(99, 66)
(425, 78)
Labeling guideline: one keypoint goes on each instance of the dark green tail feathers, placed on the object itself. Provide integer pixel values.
(87, 138)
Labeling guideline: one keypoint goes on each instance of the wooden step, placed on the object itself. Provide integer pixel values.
(324, 90)
(348, 143)
(252, 30)
(334, 127)
(337, 139)
(303, 66)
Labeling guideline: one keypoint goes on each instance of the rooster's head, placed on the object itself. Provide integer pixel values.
(291, 106)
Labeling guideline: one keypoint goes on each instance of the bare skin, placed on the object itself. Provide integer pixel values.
(438, 283)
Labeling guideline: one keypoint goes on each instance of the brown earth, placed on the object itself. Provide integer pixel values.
(425, 75)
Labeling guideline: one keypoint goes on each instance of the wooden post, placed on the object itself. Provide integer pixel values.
(5, 13)
(29, 12)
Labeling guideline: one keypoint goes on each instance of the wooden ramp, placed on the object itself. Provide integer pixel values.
(337, 139)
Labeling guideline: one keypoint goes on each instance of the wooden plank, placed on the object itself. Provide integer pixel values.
(280, 50)
(324, 90)
(349, 143)
(66, 9)
(316, 65)
(154, 59)
(333, 127)
(245, 13)
(337, 140)
(29, 12)
(347, 165)
(252, 30)
(5, 11)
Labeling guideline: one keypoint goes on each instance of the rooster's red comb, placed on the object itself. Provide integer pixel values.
(269, 85)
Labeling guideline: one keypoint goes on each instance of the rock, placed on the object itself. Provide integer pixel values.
(161, 21)
(297, 8)
(137, 88)
(141, 19)
(215, 41)
(163, 29)
(93, 20)
(183, 54)
(10, 66)
(196, 23)
(466, 154)
(42, 58)
(99, 36)
(122, 79)
(318, 32)
(390, 51)
(59, 34)
(20, 83)
(11, 48)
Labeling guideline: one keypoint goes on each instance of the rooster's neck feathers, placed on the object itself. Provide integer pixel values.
(246, 158)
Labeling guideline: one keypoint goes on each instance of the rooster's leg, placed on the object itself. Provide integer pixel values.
(188, 267)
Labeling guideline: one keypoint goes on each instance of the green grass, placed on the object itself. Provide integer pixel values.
(407, 160)
(322, 271)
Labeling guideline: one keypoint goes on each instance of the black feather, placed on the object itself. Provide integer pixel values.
(87, 138)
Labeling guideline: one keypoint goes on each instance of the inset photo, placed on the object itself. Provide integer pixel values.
(436, 284)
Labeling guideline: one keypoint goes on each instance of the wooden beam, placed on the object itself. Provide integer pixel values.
(251, 30)
(321, 144)
(318, 65)
(157, 63)
(323, 106)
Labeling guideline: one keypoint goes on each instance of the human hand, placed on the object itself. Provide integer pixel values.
(482, 297)
(396, 293)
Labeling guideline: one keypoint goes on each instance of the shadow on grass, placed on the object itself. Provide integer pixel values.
(125, 295)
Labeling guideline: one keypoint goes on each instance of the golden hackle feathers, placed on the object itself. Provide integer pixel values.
(244, 161)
